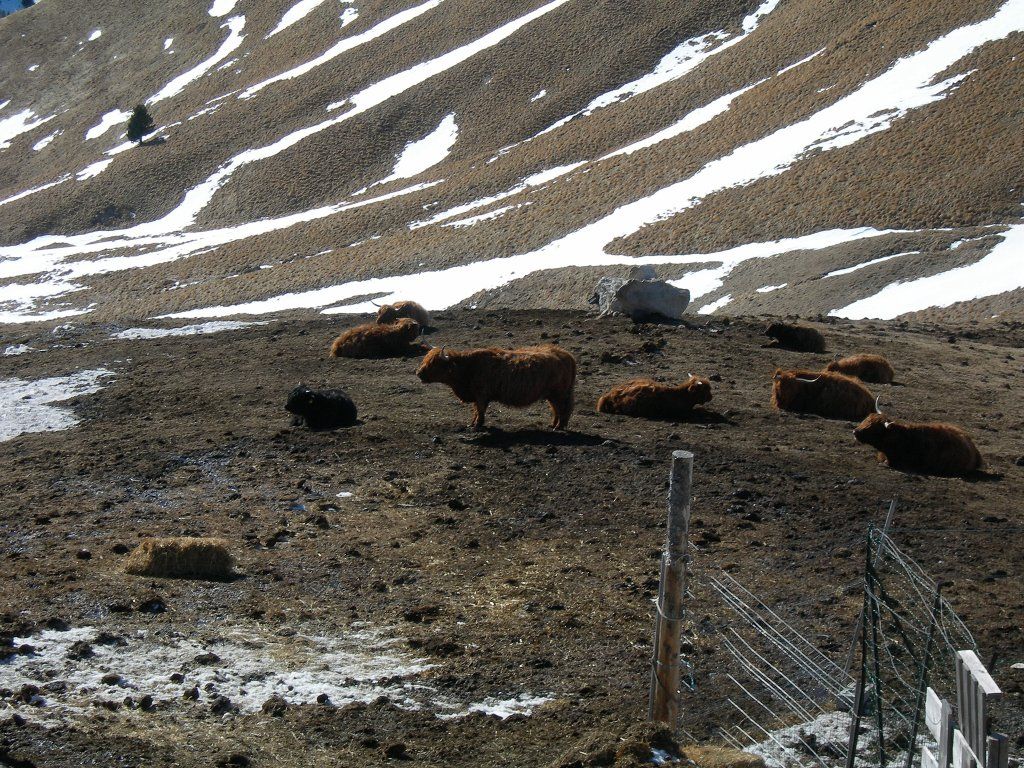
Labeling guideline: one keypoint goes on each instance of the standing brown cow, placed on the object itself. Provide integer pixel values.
(648, 399)
(516, 377)
(389, 313)
(372, 340)
(931, 449)
(872, 368)
(831, 395)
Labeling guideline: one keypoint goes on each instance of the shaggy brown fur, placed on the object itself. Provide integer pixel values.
(181, 557)
(931, 449)
(831, 395)
(872, 368)
(389, 313)
(648, 399)
(373, 340)
(798, 338)
(516, 377)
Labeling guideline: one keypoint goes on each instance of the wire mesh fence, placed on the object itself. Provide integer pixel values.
(794, 704)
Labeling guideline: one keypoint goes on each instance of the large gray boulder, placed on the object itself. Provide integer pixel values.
(641, 299)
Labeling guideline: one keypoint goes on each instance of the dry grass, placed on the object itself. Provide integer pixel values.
(181, 557)
(722, 757)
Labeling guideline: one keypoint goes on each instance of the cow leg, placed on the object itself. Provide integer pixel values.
(479, 412)
(561, 407)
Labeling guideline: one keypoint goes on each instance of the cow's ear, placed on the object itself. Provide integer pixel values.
(888, 424)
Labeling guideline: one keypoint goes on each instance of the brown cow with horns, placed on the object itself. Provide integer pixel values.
(831, 395)
(930, 449)
(516, 377)
(648, 399)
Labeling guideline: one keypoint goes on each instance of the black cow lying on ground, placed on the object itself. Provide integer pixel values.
(321, 408)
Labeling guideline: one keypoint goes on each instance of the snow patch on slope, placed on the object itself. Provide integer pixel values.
(234, 25)
(296, 13)
(381, 28)
(111, 119)
(17, 124)
(427, 152)
(998, 272)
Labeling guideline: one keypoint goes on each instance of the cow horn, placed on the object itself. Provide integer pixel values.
(837, 356)
(808, 381)
(443, 353)
(877, 409)
(374, 303)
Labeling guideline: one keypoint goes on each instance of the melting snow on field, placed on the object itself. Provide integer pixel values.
(17, 124)
(381, 28)
(16, 349)
(857, 267)
(998, 272)
(95, 35)
(94, 170)
(770, 288)
(222, 7)
(234, 25)
(296, 13)
(43, 142)
(420, 155)
(168, 43)
(111, 119)
(246, 665)
(714, 306)
(32, 191)
(26, 406)
(215, 326)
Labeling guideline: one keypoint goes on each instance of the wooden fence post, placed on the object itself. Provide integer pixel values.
(665, 672)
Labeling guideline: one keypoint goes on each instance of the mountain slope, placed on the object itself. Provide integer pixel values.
(318, 154)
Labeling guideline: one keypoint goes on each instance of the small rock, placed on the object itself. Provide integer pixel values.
(192, 694)
(57, 625)
(323, 698)
(233, 760)
(396, 751)
(80, 650)
(109, 638)
(207, 658)
(221, 705)
(153, 604)
(111, 678)
(177, 677)
(146, 703)
(119, 549)
(275, 706)
(83, 554)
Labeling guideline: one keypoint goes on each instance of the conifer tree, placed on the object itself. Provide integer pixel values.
(139, 124)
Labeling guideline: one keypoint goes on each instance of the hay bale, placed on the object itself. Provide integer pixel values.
(708, 756)
(181, 557)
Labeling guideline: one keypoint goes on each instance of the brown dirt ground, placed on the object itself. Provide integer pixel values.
(539, 550)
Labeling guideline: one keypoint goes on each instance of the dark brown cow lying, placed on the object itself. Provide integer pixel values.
(648, 399)
(516, 377)
(872, 368)
(931, 449)
(798, 338)
(389, 313)
(831, 395)
(372, 340)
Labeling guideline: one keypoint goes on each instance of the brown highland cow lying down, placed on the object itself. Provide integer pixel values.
(389, 313)
(872, 368)
(648, 399)
(373, 340)
(931, 449)
(516, 377)
(831, 395)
